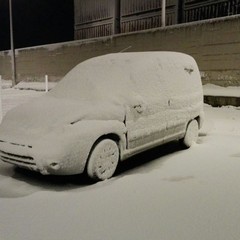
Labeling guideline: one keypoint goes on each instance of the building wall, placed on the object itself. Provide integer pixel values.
(215, 44)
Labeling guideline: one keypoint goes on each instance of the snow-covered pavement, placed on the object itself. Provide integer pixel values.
(166, 193)
(13, 97)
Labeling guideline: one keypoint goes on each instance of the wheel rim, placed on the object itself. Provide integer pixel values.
(104, 160)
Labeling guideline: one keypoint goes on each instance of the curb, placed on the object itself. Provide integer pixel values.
(219, 101)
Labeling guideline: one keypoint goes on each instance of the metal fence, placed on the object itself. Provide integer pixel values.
(141, 14)
(195, 10)
(96, 18)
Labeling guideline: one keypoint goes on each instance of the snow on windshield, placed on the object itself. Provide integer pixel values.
(98, 78)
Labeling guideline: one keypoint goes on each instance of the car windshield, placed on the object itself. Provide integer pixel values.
(96, 79)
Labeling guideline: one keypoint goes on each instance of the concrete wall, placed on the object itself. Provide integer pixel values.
(215, 44)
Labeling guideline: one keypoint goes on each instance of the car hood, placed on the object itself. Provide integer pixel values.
(47, 113)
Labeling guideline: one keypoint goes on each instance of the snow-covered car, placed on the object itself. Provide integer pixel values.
(105, 110)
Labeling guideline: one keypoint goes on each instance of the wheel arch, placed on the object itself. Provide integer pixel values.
(120, 140)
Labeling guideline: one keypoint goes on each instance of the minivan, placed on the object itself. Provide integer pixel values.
(105, 110)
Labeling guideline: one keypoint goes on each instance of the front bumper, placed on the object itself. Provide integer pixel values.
(19, 155)
(41, 158)
(61, 151)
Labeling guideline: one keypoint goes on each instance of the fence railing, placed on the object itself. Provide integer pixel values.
(138, 15)
(96, 18)
(199, 10)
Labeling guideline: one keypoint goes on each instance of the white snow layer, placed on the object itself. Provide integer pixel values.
(127, 76)
(38, 86)
(170, 194)
(214, 90)
(9, 95)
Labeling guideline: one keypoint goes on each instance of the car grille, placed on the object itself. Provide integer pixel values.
(20, 159)
(16, 159)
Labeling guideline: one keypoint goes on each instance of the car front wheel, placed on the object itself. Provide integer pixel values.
(103, 160)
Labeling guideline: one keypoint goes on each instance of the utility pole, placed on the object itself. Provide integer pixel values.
(163, 13)
(12, 45)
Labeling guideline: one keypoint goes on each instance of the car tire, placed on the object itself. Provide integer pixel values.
(103, 160)
(191, 134)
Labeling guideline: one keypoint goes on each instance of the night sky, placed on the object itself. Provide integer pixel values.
(37, 22)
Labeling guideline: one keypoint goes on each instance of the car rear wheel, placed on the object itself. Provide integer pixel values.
(103, 160)
(191, 134)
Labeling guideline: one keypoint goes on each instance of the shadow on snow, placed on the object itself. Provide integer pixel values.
(20, 182)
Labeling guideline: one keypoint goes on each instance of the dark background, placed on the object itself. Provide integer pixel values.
(36, 22)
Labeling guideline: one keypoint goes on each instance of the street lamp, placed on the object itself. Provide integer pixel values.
(163, 13)
(12, 45)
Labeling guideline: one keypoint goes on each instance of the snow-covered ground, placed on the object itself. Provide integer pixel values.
(12, 97)
(166, 193)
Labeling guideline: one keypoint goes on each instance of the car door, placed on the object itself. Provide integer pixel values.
(146, 124)
(176, 118)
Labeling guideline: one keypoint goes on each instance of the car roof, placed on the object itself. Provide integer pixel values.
(123, 75)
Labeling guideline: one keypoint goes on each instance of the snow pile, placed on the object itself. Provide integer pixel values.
(214, 90)
(38, 86)
(10, 95)
(226, 121)
(6, 84)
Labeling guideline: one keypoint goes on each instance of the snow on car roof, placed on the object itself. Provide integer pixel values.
(121, 75)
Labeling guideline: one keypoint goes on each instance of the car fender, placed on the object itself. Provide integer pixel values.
(91, 131)
(70, 146)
